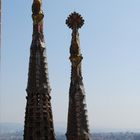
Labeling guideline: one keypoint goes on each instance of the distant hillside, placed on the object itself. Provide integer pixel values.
(10, 127)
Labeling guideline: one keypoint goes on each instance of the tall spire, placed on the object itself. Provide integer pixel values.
(77, 128)
(38, 115)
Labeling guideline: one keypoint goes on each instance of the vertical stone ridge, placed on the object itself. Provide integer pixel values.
(77, 127)
(38, 115)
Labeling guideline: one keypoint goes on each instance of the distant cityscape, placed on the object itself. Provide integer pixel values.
(12, 131)
(95, 136)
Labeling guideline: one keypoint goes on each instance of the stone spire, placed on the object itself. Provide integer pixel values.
(77, 128)
(38, 115)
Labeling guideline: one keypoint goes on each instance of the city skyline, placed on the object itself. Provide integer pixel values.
(110, 46)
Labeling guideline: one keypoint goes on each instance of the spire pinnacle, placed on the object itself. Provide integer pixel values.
(75, 21)
(37, 13)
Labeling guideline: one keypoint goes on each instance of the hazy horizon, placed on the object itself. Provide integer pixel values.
(61, 129)
(110, 45)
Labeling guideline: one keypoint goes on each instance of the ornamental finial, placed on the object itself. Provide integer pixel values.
(75, 21)
(37, 15)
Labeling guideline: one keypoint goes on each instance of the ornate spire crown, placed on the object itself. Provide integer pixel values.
(75, 21)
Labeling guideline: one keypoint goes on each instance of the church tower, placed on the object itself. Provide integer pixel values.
(77, 128)
(38, 116)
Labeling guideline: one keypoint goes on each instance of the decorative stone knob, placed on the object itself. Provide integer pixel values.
(37, 12)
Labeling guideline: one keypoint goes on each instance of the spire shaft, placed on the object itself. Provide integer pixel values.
(38, 115)
(77, 128)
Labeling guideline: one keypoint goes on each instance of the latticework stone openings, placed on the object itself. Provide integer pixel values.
(38, 115)
(77, 128)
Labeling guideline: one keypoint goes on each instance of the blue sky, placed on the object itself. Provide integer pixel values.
(110, 44)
